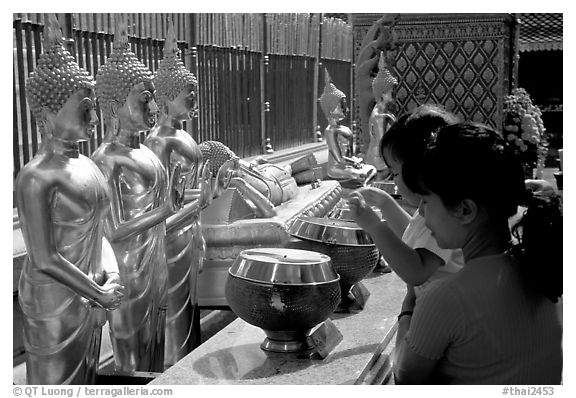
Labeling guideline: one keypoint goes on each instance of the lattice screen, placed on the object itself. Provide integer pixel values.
(461, 61)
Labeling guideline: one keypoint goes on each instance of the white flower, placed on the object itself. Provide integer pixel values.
(511, 128)
(523, 147)
(528, 123)
(511, 137)
(534, 140)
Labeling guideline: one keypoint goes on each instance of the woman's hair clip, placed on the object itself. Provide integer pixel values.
(431, 142)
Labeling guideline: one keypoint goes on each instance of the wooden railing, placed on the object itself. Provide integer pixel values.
(258, 73)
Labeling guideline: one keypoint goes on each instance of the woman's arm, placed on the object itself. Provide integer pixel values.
(392, 212)
(414, 266)
(425, 336)
(408, 366)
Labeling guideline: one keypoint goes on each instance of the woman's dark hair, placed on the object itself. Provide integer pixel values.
(472, 161)
(407, 138)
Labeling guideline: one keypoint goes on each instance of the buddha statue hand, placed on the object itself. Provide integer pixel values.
(205, 185)
(177, 188)
(353, 161)
(225, 173)
(111, 294)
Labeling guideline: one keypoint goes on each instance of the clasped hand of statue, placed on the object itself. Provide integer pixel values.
(112, 292)
(205, 186)
(225, 174)
(176, 188)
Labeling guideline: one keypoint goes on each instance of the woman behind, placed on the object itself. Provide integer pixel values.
(496, 321)
(70, 274)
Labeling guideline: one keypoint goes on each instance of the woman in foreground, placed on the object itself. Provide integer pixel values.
(496, 321)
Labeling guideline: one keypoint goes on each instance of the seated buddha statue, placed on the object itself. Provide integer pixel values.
(144, 195)
(70, 275)
(381, 117)
(342, 165)
(176, 89)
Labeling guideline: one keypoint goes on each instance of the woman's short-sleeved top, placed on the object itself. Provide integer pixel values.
(418, 236)
(484, 329)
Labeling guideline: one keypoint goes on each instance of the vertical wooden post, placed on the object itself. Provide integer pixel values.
(192, 64)
(68, 21)
(514, 51)
(263, 96)
(317, 64)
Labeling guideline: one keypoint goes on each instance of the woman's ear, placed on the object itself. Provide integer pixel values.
(466, 211)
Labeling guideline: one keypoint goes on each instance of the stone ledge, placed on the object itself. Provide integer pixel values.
(234, 356)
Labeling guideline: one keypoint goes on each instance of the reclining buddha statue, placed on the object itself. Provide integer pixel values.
(70, 276)
(342, 165)
(144, 195)
(260, 184)
(176, 89)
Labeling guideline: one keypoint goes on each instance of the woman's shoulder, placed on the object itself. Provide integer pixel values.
(445, 289)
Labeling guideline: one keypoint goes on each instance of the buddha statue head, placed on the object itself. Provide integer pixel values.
(175, 85)
(332, 100)
(384, 83)
(58, 83)
(124, 85)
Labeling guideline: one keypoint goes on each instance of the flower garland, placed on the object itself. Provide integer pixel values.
(524, 128)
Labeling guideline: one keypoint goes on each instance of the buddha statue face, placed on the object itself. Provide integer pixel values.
(183, 107)
(77, 118)
(340, 111)
(139, 111)
(333, 101)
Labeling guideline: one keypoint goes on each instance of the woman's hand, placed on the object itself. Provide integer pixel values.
(374, 196)
(362, 213)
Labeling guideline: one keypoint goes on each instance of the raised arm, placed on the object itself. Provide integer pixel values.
(396, 217)
(414, 266)
(123, 229)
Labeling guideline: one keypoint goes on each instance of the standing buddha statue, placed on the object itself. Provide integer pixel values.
(176, 95)
(143, 197)
(381, 117)
(342, 165)
(70, 275)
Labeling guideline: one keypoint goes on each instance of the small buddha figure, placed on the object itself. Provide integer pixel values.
(70, 276)
(381, 117)
(176, 95)
(143, 197)
(342, 165)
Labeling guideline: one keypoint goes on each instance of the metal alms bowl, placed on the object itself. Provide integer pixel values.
(285, 292)
(354, 255)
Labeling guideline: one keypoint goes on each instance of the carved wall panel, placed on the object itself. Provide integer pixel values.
(465, 62)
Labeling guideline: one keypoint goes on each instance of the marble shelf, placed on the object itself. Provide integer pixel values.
(233, 355)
